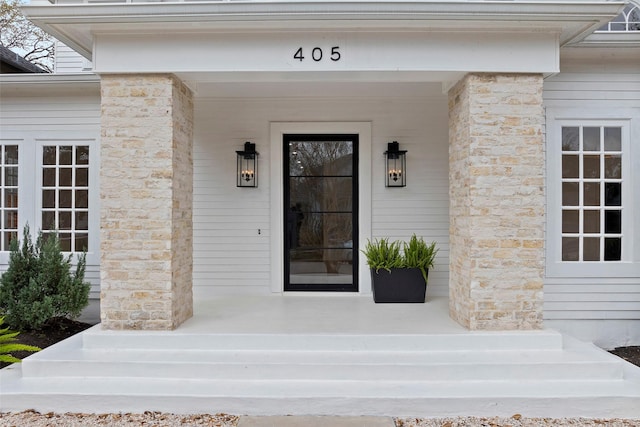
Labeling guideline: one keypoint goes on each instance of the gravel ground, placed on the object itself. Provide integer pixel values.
(147, 419)
(514, 421)
(158, 419)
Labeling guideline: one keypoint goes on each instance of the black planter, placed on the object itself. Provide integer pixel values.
(399, 285)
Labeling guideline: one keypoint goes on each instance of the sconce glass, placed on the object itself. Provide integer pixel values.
(396, 162)
(247, 166)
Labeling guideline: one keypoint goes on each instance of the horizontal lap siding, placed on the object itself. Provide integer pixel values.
(597, 298)
(67, 60)
(229, 254)
(54, 114)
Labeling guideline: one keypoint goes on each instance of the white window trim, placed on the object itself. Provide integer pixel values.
(30, 180)
(627, 119)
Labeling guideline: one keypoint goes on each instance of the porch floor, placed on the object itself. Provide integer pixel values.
(346, 356)
(319, 315)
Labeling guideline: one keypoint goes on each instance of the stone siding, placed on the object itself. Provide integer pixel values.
(146, 192)
(497, 204)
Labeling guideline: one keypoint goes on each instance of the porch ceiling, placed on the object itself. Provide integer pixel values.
(300, 85)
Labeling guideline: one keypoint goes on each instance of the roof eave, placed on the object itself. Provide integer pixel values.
(75, 24)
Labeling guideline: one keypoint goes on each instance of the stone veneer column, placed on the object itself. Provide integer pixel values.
(146, 193)
(496, 180)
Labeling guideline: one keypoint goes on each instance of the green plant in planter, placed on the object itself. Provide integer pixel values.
(419, 254)
(8, 345)
(405, 268)
(382, 254)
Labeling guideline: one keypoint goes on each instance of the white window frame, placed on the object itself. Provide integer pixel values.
(30, 182)
(626, 119)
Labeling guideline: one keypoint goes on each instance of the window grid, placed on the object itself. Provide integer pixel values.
(598, 193)
(9, 194)
(627, 21)
(65, 195)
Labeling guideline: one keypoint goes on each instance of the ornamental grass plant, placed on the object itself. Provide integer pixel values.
(386, 254)
(8, 345)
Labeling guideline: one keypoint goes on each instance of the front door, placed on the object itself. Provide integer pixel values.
(321, 211)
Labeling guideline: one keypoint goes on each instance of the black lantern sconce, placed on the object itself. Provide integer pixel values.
(396, 162)
(247, 166)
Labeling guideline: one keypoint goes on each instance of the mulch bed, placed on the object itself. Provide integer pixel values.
(55, 330)
(630, 354)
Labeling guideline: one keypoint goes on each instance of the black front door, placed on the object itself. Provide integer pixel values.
(321, 211)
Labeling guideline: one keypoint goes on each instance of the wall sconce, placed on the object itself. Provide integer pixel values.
(247, 166)
(396, 162)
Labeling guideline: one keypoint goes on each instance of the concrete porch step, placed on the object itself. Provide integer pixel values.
(70, 359)
(587, 398)
(96, 338)
(539, 373)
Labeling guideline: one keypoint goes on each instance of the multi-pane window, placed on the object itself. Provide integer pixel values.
(628, 20)
(9, 190)
(65, 194)
(592, 205)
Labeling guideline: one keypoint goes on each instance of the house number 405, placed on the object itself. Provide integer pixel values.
(317, 54)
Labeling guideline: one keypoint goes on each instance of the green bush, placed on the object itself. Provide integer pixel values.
(39, 285)
(8, 345)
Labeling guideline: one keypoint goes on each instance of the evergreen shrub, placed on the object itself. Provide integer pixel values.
(39, 285)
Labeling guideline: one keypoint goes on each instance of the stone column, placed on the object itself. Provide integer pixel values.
(496, 180)
(146, 191)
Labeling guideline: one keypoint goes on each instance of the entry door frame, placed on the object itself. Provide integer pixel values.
(277, 132)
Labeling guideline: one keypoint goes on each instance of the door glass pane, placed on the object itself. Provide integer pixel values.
(570, 248)
(613, 167)
(613, 139)
(570, 221)
(319, 231)
(82, 155)
(49, 155)
(11, 155)
(570, 166)
(612, 221)
(66, 155)
(612, 195)
(591, 249)
(591, 221)
(82, 177)
(612, 249)
(591, 166)
(11, 198)
(65, 177)
(591, 139)
(48, 177)
(570, 194)
(570, 139)
(592, 194)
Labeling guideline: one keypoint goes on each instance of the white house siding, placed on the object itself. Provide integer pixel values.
(602, 309)
(56, 118)
(69, 61)
(232, 256)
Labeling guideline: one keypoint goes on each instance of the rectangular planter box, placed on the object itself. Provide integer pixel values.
(401, 285)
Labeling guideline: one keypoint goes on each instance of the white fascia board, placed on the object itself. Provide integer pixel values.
(359, 52)
(52, 84)
(612, 39)
(75, 24)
